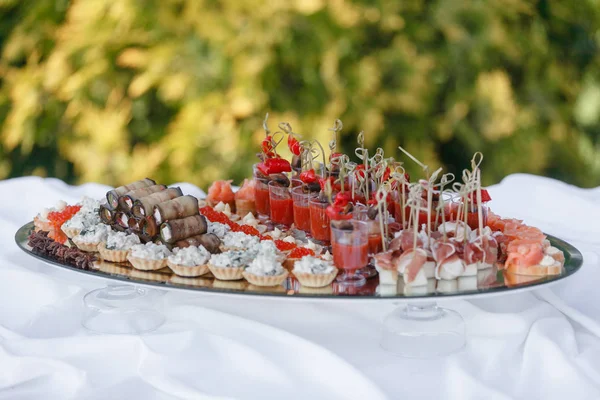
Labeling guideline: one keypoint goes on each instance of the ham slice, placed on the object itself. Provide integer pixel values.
(405, 241)
(442, 250)
(385, 260)
(410, 263)
(450, 268)
(385, 263)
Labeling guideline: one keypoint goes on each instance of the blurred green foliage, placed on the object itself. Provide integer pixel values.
(115, 90)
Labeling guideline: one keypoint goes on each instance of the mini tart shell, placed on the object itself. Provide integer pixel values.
(187, 271)
(144, 264)
(315, 280)
(112, 255)
(227, 273)
(83, 246)
(70, 232)
(264, 280)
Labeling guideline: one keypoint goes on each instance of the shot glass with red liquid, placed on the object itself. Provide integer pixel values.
(280, 199)
(361, 213)
(349, 243)
(319, 221)
(397, 197)
(301, 197)
(261, 193)
(473, 217)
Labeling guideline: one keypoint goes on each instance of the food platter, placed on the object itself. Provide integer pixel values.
(488, 282)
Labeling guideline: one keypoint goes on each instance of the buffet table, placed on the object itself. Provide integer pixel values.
(543, 344)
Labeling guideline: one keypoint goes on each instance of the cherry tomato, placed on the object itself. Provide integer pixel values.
(294, 145)
(308, 176)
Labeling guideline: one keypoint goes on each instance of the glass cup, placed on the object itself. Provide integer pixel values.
(282, 210)
(349, 242)
(319, 221)
(375, 244)
(397, 197)
(261, 194)
(473, 217)
(301, 208)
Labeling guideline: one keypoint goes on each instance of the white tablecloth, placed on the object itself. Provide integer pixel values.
(538, 345)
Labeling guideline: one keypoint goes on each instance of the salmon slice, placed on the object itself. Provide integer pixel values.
(246, 192)
(524, 253)
(220, 191)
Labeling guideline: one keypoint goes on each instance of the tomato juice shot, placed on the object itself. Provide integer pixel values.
(319, 220)
(371, 217)
(349, 242)
(261, 194)
(473, 217)
(301, 197)
(280, 199)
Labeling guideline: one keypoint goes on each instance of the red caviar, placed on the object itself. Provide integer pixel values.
(284, 246)
(247, 229)
(57, 219)
(300, 252)
(216, 216)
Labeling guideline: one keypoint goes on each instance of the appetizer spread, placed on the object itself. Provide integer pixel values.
(318, 218)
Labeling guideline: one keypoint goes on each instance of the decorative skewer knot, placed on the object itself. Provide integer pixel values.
(287, 128)
(399, 174)
(361, 153)
(337, 126)
(361, 139)
(476, 160)
(377, 157)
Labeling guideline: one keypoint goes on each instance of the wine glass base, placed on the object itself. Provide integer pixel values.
(423, 330)
(368, 272)
(351, 279)
(122, 309)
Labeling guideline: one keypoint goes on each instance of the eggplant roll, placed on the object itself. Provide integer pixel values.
(210, 242)
(142, 207)
(118, 227)
(177, 229)
(135, 224)
(113, 196)
(122, 219)
(145, 238)
(180, 207)
(126, 201)
(150, 227)
(107, 216)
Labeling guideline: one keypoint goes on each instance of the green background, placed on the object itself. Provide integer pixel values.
(112, 91)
